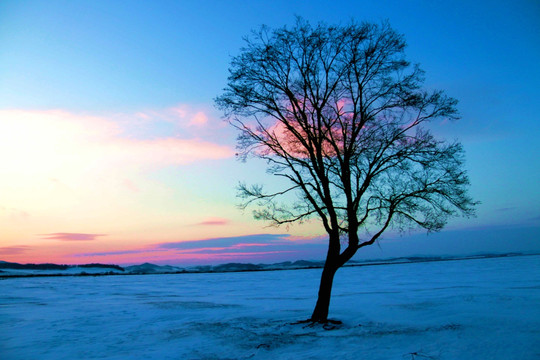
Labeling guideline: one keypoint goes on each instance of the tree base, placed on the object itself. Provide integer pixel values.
(328, 324)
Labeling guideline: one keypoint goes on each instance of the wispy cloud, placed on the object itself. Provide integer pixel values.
(181, 116)
(13, 250)
(57, 141)
(119, 252)
(166, 151)
(71, 236)
(232, 256)
(258, 244)
(256, 247)
(184, 115)
(199, 119)
(214, 222)
(227, 242)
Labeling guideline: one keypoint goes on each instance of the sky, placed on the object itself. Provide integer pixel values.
(112, 150)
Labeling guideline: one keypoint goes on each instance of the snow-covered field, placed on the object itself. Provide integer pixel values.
(474, 309)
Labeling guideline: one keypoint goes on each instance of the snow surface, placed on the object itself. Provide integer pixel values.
(473, 309)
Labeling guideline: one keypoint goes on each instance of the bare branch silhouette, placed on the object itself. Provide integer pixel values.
(339, 112)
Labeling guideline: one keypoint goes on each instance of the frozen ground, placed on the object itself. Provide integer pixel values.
(474, 309)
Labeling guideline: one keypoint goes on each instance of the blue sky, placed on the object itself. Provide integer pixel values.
(109, 127)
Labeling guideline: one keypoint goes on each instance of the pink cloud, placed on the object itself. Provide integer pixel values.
(269, 243)
(186, 114)
(226, 255)
(214, 222)
(128, 184)
(247, 245)
(256, 247)
(102, 142)
(199, 119)
(181, 111)
(71, 236)
(168, 151)
(13, 250)
(142, 115)
(246, 248)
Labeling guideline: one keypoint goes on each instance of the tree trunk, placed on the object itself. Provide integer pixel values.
(320, 314)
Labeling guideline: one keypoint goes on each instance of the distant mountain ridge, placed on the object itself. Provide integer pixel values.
(148, 268)
(11, 269)
(49, 266)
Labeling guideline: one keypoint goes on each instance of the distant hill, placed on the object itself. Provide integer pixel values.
(12, 265)
(16, 266)
(16, 269)
(11, 269)
(236, 267)
(103, 266)
(148, 268)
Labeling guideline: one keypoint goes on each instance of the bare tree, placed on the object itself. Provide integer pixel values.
(340, 114)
